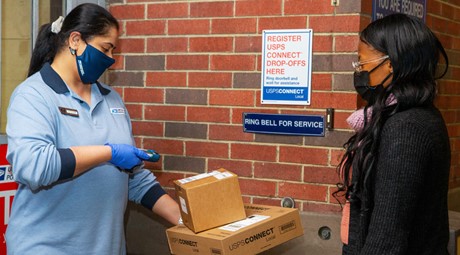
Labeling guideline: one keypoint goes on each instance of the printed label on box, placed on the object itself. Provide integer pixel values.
(253, 219)
(216, 174)
(223, 175)
(183, 205)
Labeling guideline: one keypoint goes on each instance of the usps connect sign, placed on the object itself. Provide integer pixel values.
(286, 66)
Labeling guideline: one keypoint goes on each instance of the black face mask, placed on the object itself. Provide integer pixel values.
(361, 83)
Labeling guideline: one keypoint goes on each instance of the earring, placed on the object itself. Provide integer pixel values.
(73, 51)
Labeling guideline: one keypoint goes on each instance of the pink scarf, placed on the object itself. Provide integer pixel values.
(356, 119)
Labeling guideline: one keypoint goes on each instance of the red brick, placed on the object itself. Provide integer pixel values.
(321, 81)
(347, 43)
(303, 191)
(453, 131)
(257, 187)
(340, 120)
(325, 175)
(258, 8)
(206, 149)
(234, 26)
(166, 179)
(147, 27)
(167, 45)
(147, 128)
(323, 23)
(211, 44)
(229, 133)
(134, 110)
(266, 201)
(343, 101)
(322, 43)
(188, 27)
(233, 62)
(456, 43)
(303, 155)
(277, 171)
(449, 116)
(131, 45)
(240, 168)
(282, 23)
(246, 199)
(307, 6)
(152, 166)
(119, 63)
(336, 157)
(128, 11)
(434, 7)
(208, 114)
(165, 146)
(144, 95)
(231, 97)
(120, 91)
(211, 9)
(447, 102)
(448, 12)
(166, 79)
(248, 44)
(366, 7)
(167, 10)
(253, 152)
(321, 207)
(187, 62)
(209, 80)
(164, 112)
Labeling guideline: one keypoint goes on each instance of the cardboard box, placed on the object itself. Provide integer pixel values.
(264, 228)
(210, 200)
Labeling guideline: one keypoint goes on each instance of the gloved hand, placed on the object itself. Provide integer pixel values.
(126, 156)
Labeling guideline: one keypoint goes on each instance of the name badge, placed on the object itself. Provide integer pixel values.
(68, 111)
(117, 110)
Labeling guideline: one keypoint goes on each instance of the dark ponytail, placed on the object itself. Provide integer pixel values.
(45, 49)
(88, 19)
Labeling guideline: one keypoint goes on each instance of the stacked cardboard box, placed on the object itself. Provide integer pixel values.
(210, 200)
(264, 228)
(216, 222)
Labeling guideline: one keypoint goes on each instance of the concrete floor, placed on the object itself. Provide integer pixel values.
(145, 234)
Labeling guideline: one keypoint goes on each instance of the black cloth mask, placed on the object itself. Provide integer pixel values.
(361, 83)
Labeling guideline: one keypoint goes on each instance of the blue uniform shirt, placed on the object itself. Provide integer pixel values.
(52, 212)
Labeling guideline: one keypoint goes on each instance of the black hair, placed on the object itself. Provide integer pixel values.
(88, 19)
(414, 52)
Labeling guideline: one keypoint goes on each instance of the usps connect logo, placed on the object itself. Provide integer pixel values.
(117, 110)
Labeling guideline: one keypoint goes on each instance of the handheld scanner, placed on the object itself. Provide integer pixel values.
(153, 155)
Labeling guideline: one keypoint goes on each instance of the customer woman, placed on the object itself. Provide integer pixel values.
(71, 146)
(396, 166)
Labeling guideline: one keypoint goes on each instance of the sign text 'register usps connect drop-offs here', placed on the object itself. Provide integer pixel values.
(286, 67)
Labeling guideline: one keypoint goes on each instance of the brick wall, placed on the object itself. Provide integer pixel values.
(444, 19)
(188, 70)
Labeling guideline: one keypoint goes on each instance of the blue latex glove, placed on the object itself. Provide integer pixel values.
(126, 156)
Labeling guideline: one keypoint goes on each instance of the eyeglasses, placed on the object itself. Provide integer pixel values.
(357, 65)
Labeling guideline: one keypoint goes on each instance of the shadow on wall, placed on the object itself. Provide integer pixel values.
(454, 199)
(146, 234)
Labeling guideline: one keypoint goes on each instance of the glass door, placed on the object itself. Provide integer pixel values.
(19, 25)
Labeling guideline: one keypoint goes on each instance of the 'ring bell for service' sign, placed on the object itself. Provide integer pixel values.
(286, 66)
